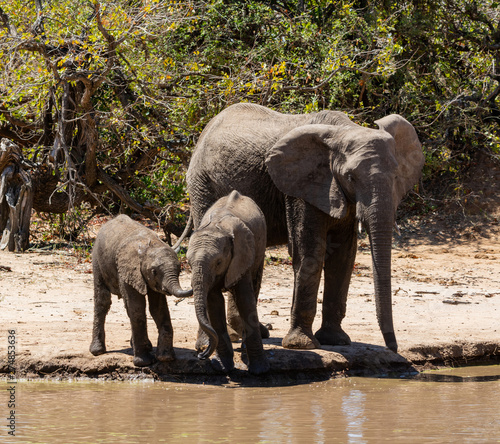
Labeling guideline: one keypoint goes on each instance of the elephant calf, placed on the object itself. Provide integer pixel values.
(227, 252)
(129, 260)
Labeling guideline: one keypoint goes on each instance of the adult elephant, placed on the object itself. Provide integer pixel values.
(315, 177)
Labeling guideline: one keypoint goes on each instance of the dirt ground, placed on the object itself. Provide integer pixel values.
(446, 306)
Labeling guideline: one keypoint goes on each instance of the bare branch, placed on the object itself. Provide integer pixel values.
(18, 122)
(119, 191)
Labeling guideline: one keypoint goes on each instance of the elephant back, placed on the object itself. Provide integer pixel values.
(230, 155)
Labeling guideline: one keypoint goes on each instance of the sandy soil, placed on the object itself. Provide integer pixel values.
(446, 288)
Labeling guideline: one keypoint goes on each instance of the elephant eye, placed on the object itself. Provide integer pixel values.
(350, 178)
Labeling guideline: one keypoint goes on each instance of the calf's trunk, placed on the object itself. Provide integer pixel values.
(200, 292)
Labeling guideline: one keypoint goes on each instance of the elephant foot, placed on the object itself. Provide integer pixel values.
(258, 365)
(97, 348)
(222, 364)
(148, 345)
(234, 336)
(298, 338)
(264, 330)
(332, 336)
(165, 356)
(143, 360)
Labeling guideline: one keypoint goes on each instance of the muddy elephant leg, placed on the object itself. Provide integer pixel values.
(102, 303)
(256, 282)
(307, 233)
(159, 311)
(217, 316)
(148, 344)
(136, 310)
(247, 307)
(339, 262)
(201, 201)
(234, 322)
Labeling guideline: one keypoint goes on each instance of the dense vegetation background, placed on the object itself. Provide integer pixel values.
(107, 98)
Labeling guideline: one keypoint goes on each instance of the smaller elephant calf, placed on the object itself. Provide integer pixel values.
(130, 260)
(227, 252)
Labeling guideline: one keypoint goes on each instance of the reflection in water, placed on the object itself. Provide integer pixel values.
(354, 410)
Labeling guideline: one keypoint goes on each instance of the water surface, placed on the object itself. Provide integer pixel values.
(461, 405)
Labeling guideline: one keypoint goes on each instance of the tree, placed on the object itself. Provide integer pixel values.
(436, 63)
(16, 198)
(78, 97)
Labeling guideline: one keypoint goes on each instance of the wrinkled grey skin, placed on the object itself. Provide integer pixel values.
(129, 260)
(315, 177)
(227, 252)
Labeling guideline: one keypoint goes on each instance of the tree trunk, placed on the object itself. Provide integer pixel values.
(16, 198)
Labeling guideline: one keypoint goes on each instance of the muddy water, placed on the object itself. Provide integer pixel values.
(461, 405)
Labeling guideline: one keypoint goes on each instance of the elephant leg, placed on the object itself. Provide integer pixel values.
(149, 345)
(234, 322)
(339, 263)
(136, 310)
(102, 303)
(161, 315)
(247, 307)
(201, 201)
(256, 282)
(307, 233)
(217, 314)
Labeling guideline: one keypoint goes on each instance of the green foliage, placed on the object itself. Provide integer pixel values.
(85, 76)
(433, 63)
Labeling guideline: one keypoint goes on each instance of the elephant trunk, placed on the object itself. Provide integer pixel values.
(379, 226)
(175, 289)
(200, 291)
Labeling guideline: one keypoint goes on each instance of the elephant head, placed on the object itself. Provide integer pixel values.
(337, 166)
(150, 264)
(220, 252)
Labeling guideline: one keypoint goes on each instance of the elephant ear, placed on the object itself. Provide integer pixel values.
(408, 152)
(243, 249)
(129, 259)
(300, 165)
